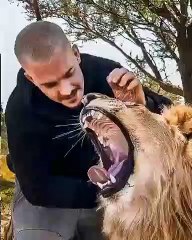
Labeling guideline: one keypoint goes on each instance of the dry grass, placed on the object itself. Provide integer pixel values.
(7, 179)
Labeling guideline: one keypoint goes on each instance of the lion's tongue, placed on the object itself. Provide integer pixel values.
(98, 174)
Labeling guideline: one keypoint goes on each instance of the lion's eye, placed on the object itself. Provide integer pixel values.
(188, 136)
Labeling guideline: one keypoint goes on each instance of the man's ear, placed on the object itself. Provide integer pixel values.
(28, 77)
(76, 52)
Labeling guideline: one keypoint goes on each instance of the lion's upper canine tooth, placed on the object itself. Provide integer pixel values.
(83, 118)
(113, 179)
(99, 115)
(92, 112)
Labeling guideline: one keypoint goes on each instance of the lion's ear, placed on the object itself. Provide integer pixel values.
(180, 116)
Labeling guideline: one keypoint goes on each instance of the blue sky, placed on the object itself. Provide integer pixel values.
(13, 19)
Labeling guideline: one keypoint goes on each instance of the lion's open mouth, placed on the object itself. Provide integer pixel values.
(114, 146)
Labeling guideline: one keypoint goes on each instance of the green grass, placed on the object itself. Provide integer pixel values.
(7, 190)
(7, 179)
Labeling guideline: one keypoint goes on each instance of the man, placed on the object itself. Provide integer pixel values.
(53, 198)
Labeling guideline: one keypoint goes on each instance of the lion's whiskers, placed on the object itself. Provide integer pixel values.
(74, 145)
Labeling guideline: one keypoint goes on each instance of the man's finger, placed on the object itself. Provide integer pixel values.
(128, 77)
(112, 75)
(116, 75)
(133, 84)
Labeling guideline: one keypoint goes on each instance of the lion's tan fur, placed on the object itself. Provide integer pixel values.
(159, 206)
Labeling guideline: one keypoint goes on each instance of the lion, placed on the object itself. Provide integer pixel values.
(145, 172)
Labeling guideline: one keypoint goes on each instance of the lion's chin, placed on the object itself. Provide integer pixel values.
(114, 148)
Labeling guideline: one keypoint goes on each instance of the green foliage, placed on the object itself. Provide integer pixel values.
(4, 147)
(156, 88)
(7, 189)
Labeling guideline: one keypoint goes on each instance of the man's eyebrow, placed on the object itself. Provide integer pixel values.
(59, 78)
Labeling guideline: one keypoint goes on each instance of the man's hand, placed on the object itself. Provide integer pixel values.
(125, 86)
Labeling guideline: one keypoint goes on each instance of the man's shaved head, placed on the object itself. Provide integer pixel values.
(50, 63)
(38, 41)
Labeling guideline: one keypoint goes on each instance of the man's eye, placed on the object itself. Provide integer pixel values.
(70, 73)
(51, 85)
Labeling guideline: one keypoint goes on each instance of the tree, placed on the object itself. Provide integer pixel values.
(161, 29)
(156, 88)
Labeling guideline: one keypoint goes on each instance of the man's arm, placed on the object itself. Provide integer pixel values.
(32, 152)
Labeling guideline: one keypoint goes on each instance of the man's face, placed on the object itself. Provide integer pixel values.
(60, 79)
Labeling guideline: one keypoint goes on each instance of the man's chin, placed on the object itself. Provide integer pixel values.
(72, 105)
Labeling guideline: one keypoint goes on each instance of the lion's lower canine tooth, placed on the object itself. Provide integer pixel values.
(100, 185)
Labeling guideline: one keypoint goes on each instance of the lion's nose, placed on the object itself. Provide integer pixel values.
(88, 98)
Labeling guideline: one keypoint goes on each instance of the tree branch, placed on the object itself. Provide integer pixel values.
(146, 56)
(165, 86)
(36, 10)
(162, 12)
(167, 46)
(183, 7)
(158, 79)
(175, 9)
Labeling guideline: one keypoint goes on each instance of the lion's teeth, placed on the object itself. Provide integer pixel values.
(92, 112)
(83, 118)
(99, 115)
(85, 124)
(100, 139)
(100, 185)
(113, 179)
(106, 143)
(128, 103)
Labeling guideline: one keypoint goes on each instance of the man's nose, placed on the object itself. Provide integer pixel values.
(88, 98)
(65, 88)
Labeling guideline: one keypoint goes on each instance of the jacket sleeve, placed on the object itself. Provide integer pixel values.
(32, 152)
(156, 102)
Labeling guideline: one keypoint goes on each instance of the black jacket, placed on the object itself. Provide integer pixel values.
(47, 177)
